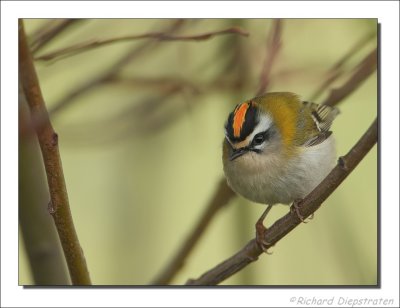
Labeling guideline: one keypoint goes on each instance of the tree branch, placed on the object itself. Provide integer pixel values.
(336, 70)
(221, 198)
(147, 46)
(40, 237)
(287, 223)
(46, 33)
(48, 140)
(161, 36)
(363, 70)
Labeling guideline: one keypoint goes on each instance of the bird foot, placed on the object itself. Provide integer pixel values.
(296, 208)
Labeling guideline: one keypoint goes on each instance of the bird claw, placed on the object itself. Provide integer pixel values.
(296, 208)
(260, 238)
(264, 246)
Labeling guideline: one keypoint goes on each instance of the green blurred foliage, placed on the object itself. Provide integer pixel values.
(141, 163)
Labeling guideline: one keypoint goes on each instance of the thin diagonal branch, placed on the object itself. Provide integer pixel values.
(49, 31)
(48, 140)
(337, 69)
(287, 223)
(161, 36)
(366, 67)
(222, 197)
(147, 46)
(159, 84)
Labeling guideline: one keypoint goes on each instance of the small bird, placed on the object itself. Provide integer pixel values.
(277, 149)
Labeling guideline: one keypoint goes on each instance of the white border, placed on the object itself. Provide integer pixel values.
(12, 295)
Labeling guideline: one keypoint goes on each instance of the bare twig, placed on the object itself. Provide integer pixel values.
(337, 69)
(48, 140)
(168, 83)
(113, 70)
(273, 47)
(161, 84)
(222, 197)
(161, 36)
(49, 31)
(366, 67)
(287, 223)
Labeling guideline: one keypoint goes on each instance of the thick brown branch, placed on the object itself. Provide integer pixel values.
(41, 241)
(161, 36)
(366, 67)
(48, 140)
(287, 223)
(222, 197)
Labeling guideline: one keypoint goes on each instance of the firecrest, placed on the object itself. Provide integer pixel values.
(277, 149)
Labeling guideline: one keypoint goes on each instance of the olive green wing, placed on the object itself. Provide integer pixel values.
(319, 119)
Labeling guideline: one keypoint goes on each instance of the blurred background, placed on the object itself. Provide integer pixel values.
(140, 126)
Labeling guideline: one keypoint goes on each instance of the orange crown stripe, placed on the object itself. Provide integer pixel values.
(239, 117)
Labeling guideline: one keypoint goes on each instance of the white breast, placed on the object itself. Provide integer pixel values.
(270, 179)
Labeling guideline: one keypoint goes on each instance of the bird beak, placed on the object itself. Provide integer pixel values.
(238, 152)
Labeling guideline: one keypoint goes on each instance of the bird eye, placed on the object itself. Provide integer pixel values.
(258, 139)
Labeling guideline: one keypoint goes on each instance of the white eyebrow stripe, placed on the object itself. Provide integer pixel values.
(264, 124)
(229, 140)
